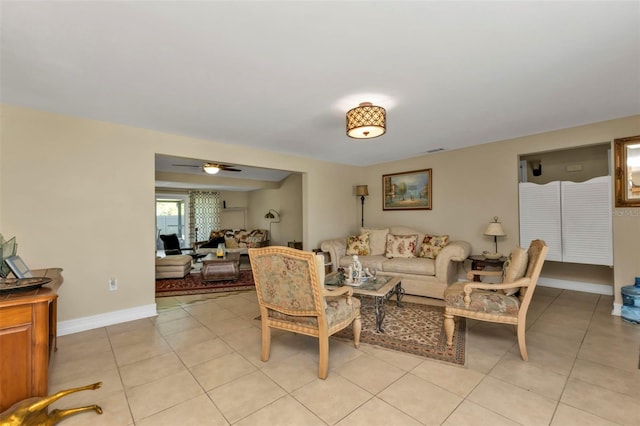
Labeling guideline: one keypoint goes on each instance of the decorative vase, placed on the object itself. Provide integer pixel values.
(220, 252)
(631, 302)
(355, 270)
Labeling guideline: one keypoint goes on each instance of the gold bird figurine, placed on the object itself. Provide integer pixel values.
(34, 411)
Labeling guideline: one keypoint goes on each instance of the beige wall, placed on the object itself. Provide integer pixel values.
(79, 194)
(472, 185)
(286, 200)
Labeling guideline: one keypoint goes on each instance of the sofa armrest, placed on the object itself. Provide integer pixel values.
(447, 260)
(336, 249)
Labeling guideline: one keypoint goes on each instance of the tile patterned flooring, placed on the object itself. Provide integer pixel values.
(197, 363)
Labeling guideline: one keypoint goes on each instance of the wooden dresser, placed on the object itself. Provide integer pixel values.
(27, 339)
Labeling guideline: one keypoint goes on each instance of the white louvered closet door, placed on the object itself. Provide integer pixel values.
(586, 221)
(540, 216)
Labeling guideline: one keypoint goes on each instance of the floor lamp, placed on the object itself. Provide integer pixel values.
(362, 191)
(272, 214)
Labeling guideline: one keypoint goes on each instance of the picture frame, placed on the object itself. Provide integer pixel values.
(627, 171)
(18, 267)
(407, 190)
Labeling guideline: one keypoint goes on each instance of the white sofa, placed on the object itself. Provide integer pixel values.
(235, 240)
(420, 276)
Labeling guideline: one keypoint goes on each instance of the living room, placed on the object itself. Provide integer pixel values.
(97, 180)
(78, 192)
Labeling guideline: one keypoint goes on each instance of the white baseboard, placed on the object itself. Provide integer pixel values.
(617, 309)
(603, 289)
(103, 320)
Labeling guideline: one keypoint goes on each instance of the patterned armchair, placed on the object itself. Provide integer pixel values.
(292, 297)
(505, 303)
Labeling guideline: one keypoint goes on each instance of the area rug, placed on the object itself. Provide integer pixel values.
(413, 328)
(193, 284)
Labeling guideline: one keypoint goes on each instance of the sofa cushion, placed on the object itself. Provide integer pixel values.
(213, 243)
(377, 240)
(414, 266)
(358, 245)
(401, 245)
(432, 245)
(514, 268)
(371, 262)
(231, 242)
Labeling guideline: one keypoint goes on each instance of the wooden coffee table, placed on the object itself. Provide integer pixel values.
(220, 268)
(382, 288)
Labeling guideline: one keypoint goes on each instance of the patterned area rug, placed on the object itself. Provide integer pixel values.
(193, 284)
(413, 328)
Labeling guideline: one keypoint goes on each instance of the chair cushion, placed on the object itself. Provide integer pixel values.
(432, 245)
(337, 311)
(377, 240)
(358, 245)
(514, 268)
(401, 245)
(491, 302)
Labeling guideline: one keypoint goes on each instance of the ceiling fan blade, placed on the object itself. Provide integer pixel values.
(185, 165)
(230, 169)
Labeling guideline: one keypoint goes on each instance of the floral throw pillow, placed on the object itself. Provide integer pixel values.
(358, 245)
(401, 245)
(432, 245)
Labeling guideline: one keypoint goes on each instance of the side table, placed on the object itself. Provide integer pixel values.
(295, 244)
(327, 260)
(220, 268)
(479, 262)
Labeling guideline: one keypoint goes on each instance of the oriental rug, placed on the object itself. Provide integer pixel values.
(413, 328)
(193, 284)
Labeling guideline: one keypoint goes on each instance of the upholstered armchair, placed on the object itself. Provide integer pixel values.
(290, 288)
(506, 302)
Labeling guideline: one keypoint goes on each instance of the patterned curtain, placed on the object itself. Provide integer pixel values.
(204, 214)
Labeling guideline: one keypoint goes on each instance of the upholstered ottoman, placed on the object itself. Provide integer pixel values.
(173, 266)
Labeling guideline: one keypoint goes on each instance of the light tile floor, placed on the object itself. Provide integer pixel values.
(197, 363)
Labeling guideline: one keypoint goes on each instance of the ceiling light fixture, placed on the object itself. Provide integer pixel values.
(211, 169)
(366, 121)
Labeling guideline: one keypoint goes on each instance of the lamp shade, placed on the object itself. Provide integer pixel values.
(362, 190)
(272, 214)
(494, 228)
(366, 121)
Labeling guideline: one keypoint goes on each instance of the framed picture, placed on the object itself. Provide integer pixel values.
(18, 267)
(407, 190)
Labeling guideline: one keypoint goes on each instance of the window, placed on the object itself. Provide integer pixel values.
(171, 218)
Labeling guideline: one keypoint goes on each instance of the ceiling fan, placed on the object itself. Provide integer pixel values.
(211, 168)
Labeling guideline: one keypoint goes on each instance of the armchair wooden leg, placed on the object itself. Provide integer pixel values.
(323, 367)
(266, 339)
(448, 328)
(522, 341)
(357, 327)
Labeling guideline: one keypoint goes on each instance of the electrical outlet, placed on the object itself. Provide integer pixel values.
(113, 284)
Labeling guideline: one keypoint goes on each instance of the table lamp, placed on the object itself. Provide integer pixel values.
(494, 229)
